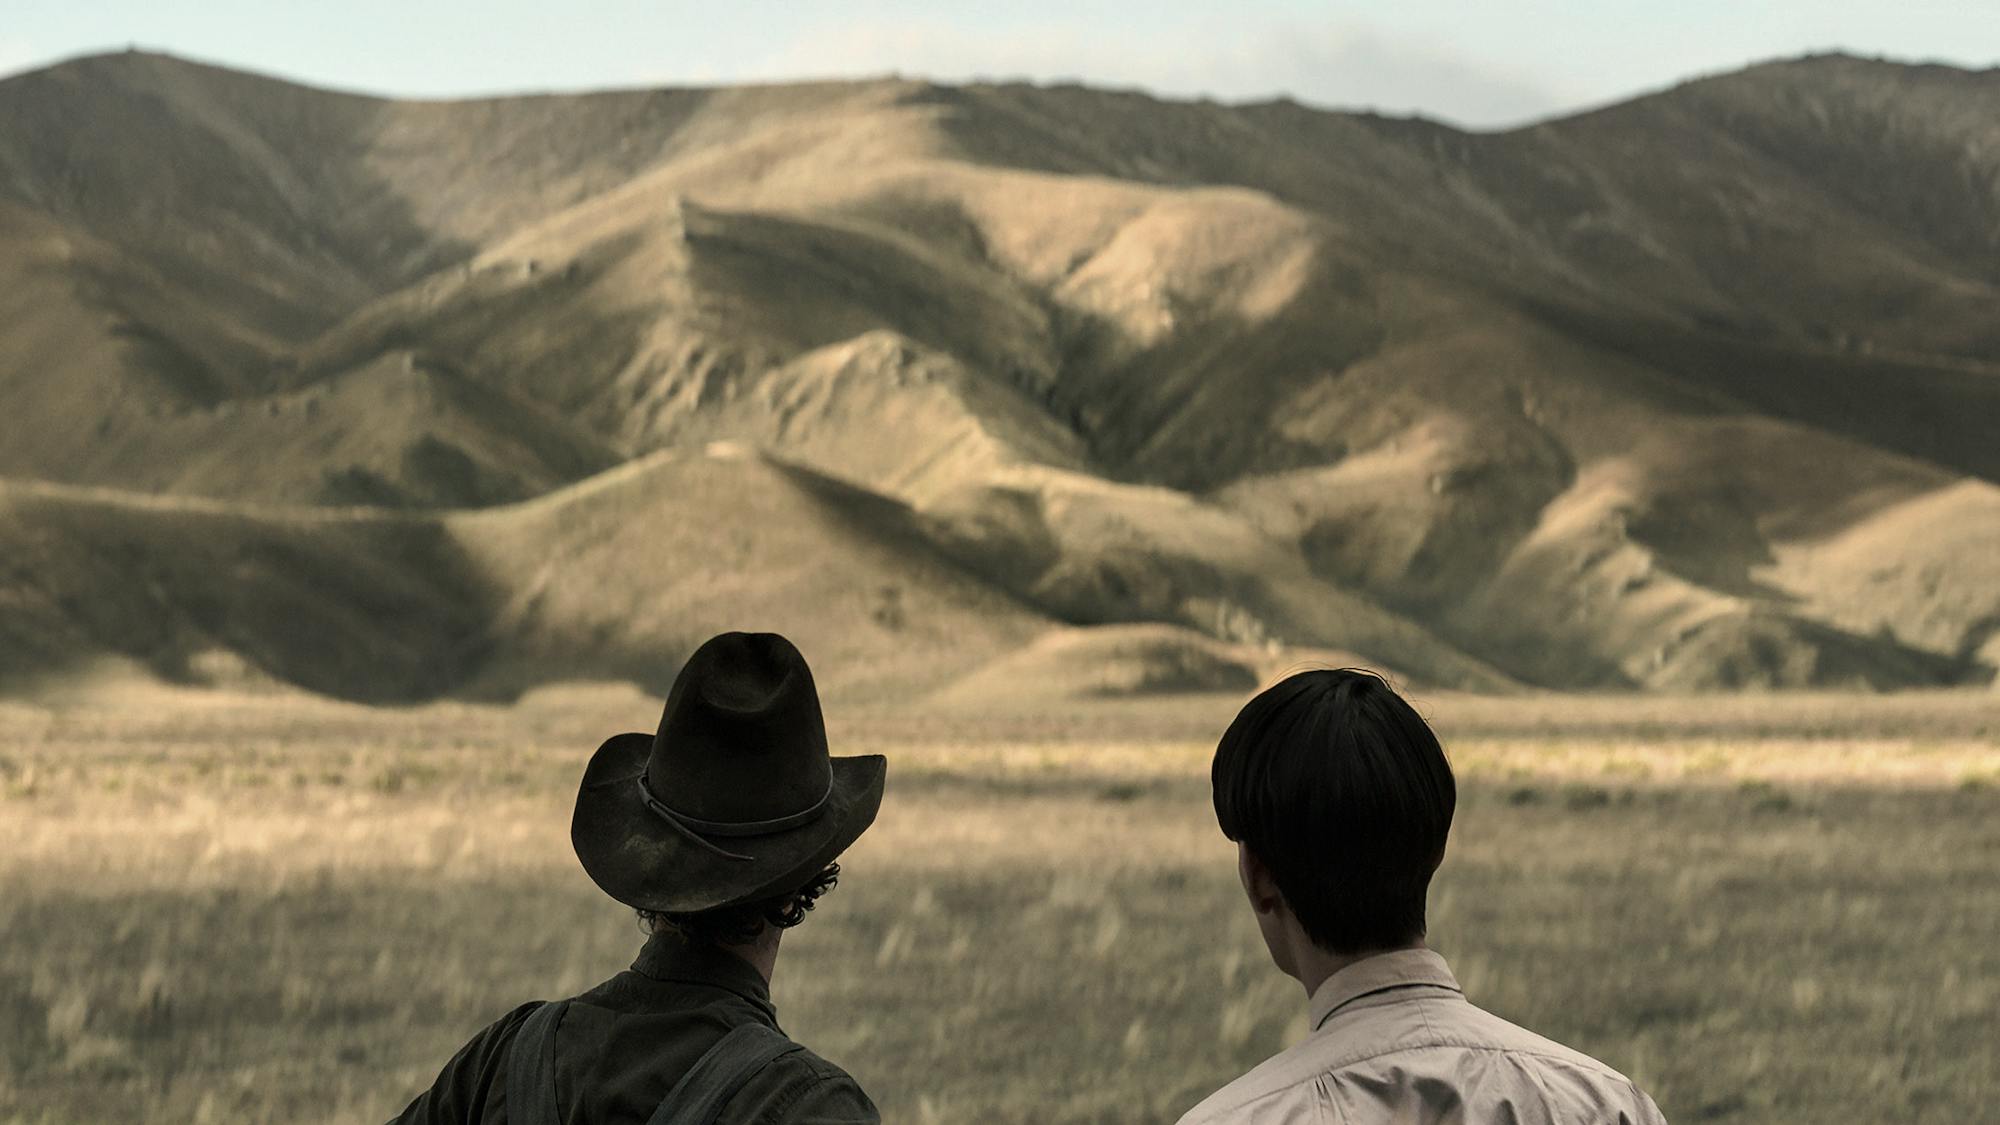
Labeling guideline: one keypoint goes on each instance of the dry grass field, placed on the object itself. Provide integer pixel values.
(242, 908)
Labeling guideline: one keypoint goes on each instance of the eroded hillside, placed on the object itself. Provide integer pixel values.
(1697, 391)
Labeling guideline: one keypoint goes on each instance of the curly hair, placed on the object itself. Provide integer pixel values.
(742, 923)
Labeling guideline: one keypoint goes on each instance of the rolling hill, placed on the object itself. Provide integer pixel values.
(1697, 391)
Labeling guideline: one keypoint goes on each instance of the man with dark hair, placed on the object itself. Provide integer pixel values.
(1339, 799)
(721, 831)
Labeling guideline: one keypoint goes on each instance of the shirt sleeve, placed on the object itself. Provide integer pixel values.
(1648, 1113)
(473, 1082)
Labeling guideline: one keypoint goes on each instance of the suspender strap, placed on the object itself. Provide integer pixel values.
(718, 1075)
(531, 1068)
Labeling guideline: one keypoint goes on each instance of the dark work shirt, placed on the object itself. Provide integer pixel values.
(623, 1045)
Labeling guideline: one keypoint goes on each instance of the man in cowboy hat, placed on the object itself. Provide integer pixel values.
(720, 830)
(1339, 799)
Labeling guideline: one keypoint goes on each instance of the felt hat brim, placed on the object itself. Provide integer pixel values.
(640, 859)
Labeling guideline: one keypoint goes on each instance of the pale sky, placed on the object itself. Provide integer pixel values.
(1480, 64)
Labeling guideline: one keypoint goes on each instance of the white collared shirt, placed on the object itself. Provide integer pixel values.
(1395, 1040)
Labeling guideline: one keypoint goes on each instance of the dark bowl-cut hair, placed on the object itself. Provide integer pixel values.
(1338, 786)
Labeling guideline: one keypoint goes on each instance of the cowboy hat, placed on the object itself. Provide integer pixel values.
(735, 798)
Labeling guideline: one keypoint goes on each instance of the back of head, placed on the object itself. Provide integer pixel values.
(1339, 787)
(743, 922)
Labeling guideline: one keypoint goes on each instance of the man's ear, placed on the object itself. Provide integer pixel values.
(1257, 881)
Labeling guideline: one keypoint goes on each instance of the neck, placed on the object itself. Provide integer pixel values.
(1312, 965)
(762, 953)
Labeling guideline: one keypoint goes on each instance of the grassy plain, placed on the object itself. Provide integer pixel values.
(233, 908)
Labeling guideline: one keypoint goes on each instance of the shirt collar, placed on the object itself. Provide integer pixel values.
(1403, 968)
(668, 957)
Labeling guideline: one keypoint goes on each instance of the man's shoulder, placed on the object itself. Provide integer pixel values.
(1483, 1030)
(801, 1085)
(1271, 1080)
(1540, 1067)
(803, 1064)
(1472, 1053)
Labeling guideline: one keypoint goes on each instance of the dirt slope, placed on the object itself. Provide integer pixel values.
(615, 579)
(621, 576)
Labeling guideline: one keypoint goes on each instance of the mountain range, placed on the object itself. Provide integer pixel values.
(996, 389)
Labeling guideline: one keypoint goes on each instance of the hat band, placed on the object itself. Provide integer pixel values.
(695, 828)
